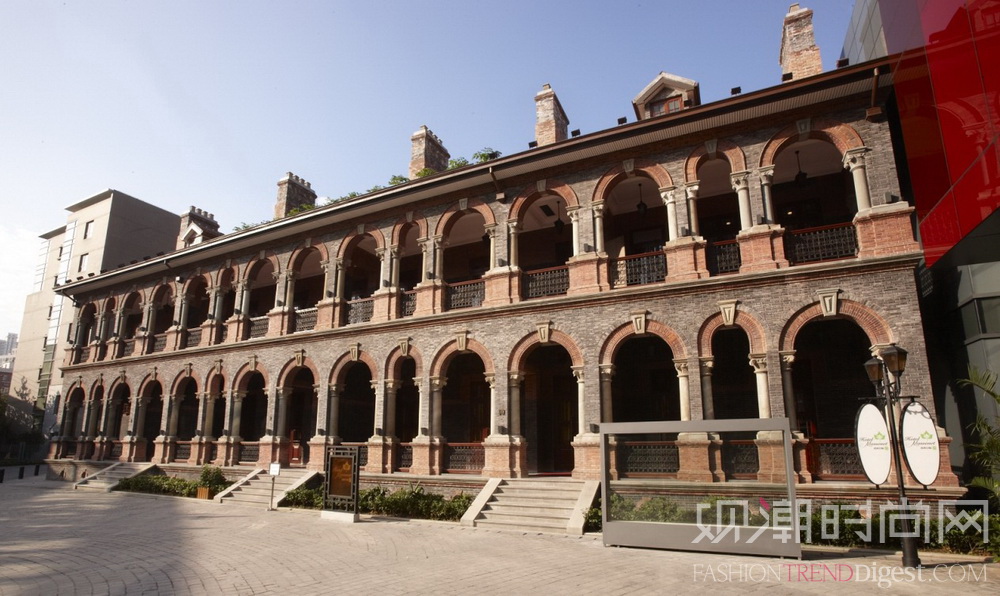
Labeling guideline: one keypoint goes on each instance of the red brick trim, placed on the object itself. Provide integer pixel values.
(453, 214)
(626, 331)
(397, 229)
(444, 356)
(340, 366)
(725, 149)
(842, 136)
(552, 187)
(743, 320)
(353, 238)
(526, 344)
(290, 367)
(874, 326)
(612, 177)
(243, 374)
(395, 360)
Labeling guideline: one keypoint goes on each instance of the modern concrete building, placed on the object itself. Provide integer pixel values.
(102, 232)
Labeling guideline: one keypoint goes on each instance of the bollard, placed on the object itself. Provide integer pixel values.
(37, 466)
(2, 472)
(20, 473)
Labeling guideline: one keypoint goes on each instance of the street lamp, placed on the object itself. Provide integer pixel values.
(884, 371)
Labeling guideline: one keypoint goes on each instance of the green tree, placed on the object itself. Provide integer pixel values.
(986, 453)
(425, 172)
(398, 179)
(457, 162)
(486, 154)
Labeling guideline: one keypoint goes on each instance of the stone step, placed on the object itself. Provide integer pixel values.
(508, 508)
(521, 525)
(518, 492)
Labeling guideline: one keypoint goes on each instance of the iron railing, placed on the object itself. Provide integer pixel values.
(838, 241)
(159, 342)
(359, 310)
(464, 294)
(258, 326)
(553, 281)
(213, 452)
(194, 337)
(69, 448)
(223, 333)
(362, 452)
(835, 459)
(405, 457)
(464, 458)
(740, 459)
(116, 450)
(305, 319)
(128, 347)
(249, 452)
(723, 257)
(637, 270)
(407, 303)
(647, 458)
(182, 451)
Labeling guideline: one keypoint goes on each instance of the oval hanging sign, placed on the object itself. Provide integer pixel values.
(871, 436)
(920, 443)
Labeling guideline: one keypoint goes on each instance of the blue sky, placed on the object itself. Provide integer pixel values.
(209, 103)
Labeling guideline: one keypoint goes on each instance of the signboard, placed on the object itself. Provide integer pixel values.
(275, 469)
(920, 443)
(872, 438)
(342, 472)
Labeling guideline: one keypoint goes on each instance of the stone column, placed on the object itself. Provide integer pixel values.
(759, 364)
(206, 415)
(427, 258)
(581, 403)
(383, 272)
(437, 385)
(740, 181)
(491, 380)
(598, 207)
(491, 232)
(667, 194)
(281, 398)
(854, 160)
(707, 402)
(438, 257)
(574, 219)
(333, 414)
(766, 174)
(514, 379)
(513, 227)
(391, 387)
(394, 254)
(607, 403)
(683, 390)
(243, 291)
(691, 191)
(788, 389)
(236, 418)
(339, 264)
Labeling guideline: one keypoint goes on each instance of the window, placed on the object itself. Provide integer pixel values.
(667, 106)
(674, 105)
(83, 262)
(88, 229)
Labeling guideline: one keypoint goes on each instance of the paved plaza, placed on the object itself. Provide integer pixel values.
(54, 540)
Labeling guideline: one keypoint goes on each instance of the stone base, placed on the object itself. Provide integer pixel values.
(588, 274)
(504, 455)
(587, 457)
(700, 458)
(503, 286)
(762, 248)
(430, 298)
(382, 304)
(885, 230)
(278, 322)
(685, 259)
(325, 311)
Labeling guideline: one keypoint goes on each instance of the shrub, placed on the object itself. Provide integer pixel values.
(213, 478)
(304, 498)
(158, 485)
(413, 502)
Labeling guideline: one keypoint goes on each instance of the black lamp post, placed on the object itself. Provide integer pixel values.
(884, 371)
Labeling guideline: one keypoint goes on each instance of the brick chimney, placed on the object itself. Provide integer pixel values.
(427, 152)
(551, 123)
(799, 56)
(197, 226)
(293, 192)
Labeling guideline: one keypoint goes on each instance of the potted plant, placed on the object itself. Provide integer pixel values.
(211, 481)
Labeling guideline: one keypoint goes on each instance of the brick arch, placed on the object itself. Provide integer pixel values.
(450, 350)
(612, 177)
(290, 366)
(418, 220)
(244, 372)
(147, 382)
(526, 344)
(451, 215)
(251, 265)
(841, 135)
(724, 149)
(340, 366)
(621, 334)
(163, 294)
(98, 383)
(186, 286)
(115, 384)
(529, 195)
(77, 385)
(874, 326)
(348, 242)
(220, 274)
(179, 378)
(298, 254)
(211, 377)
(743, 320)
(396, 356)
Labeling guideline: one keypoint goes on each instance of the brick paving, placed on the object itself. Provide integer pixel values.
(58, 541)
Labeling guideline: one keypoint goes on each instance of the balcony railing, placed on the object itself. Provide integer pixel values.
(116, 450)
(182, 452)
(723, 257)
(833, 459)
(740, 459)
(464, 458)
(638, 459)
(553, 281)
(838, 241)
(362, 452)
(407, 303)
(636, 270)
(359, 310)
(194, 337)
(405, 457)
(258, 326)
(128, 347)
(159, 342)
(249, 452)
(305, 319)
(465, 294)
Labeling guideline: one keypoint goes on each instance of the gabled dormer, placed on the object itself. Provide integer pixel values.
(666, 94)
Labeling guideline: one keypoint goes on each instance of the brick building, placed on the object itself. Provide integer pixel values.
(736, 259)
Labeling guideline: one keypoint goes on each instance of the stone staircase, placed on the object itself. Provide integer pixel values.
(255, 488)
(107, 478)
(550, 505)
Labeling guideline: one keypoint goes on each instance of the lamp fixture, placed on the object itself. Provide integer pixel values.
(641, 207)
(559, 225)
(800, 178)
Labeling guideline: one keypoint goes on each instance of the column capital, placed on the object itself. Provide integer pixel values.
(607, 371)
(787, 358)
(598, 208)
(515, 376)
(855, 158)
(740, 180)
(667, 194)
(578, 373)
(759, 363)
(682, 367)
(438, 383)
(491, 380)
(766, 174)
(691, 189)
(707, 364)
